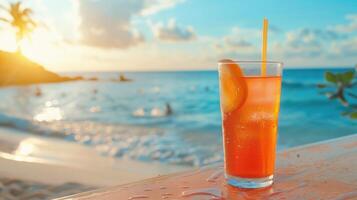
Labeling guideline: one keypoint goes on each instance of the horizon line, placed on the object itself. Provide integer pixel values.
(199, 70)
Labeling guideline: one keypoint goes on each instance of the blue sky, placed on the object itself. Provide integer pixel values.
(217, 17)
(187, 34)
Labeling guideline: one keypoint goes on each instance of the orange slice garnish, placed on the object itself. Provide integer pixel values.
(232, 86)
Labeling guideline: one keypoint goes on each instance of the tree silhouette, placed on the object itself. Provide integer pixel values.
(20, 19)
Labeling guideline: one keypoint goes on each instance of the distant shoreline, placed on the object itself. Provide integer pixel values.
(198, 70)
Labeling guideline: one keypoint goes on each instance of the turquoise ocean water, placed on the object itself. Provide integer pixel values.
(126, 121)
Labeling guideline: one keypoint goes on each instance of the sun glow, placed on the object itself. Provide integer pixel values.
(39, 47)
(25, 148)
(7, 40)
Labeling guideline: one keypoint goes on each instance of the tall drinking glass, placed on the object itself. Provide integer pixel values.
(250, 98)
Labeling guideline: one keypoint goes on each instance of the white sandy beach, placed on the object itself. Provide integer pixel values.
(50, 161)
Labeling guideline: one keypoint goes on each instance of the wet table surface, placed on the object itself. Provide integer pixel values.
(326, 170)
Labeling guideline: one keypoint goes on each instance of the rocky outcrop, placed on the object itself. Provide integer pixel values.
(16, 69)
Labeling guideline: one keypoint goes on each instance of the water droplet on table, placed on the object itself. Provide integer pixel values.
(138, 197)
(214, 176)
(213, 192)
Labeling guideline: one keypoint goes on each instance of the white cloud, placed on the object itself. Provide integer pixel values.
(299, 47)
(154, 6)
(239, 43)
(245, 33)
(108, 23)
(300, 42)
(350, 27)
(308, 42)
(346, 47)
(172, 32)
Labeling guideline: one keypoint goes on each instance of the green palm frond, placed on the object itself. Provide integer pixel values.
(17, 5)
(32, 23)
(20, 19)
(353, 115)
(15, 9)
(4, 20)
(27, 12)
(341, 82)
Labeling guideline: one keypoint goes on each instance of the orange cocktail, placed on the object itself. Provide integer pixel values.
(250, 107)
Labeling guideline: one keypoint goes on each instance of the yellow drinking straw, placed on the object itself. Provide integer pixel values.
(264, 47)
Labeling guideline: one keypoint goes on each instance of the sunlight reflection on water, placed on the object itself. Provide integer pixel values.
(49, 114)
(25, 148)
